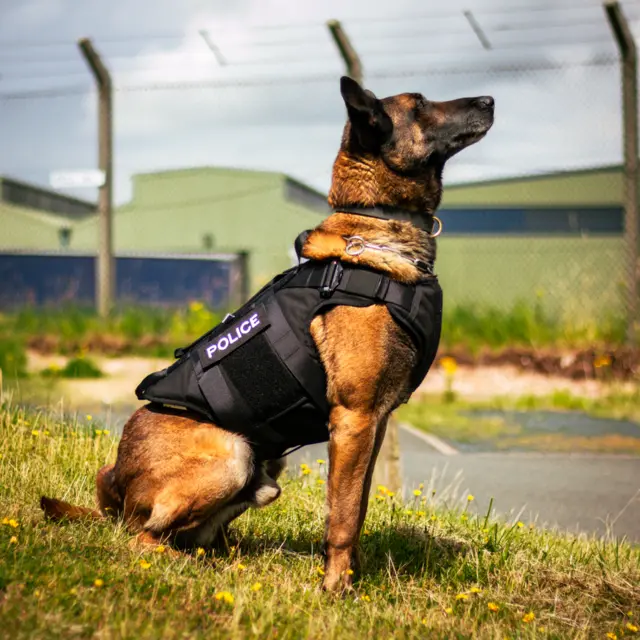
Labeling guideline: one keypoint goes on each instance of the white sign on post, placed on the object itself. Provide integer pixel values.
(77, 179)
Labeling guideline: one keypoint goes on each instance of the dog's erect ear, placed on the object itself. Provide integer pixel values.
(368, 118)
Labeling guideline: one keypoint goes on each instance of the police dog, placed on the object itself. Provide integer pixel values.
(180, 478)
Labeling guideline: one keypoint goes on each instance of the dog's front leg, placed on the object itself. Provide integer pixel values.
(351, 447)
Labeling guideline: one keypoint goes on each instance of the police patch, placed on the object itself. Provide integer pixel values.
(233, 337)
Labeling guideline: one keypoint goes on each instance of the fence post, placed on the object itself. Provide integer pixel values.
(387, 471)
(629, 59)
(105, 267)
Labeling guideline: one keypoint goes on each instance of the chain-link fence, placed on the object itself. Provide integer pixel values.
(533, 215)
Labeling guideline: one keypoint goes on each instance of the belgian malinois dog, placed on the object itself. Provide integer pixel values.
(180, 478)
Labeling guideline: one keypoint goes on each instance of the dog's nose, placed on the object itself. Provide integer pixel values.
(485, 102)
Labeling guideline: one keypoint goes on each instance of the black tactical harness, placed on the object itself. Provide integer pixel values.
(258, 373)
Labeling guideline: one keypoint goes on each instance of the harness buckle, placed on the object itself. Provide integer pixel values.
(331, 278)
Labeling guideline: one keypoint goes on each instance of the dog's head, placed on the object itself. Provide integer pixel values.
(411, 137)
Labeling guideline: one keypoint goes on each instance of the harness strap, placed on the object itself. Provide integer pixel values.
(333, 276)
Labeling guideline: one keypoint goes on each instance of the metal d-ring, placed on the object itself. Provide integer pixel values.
(355, 246)
(439, 231)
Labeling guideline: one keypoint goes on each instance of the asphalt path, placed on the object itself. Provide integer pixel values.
(594, 494)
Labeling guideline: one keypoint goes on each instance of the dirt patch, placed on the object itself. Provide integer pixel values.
(605, 364)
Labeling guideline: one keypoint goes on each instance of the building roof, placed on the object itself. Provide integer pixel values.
(29, 196)
(592, 187)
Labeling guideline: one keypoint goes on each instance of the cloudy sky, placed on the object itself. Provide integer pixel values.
(275, 103)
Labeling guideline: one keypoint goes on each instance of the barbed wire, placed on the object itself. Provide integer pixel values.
(507, 68)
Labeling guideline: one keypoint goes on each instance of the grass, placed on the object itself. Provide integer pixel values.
(429, 570)
(158, 331)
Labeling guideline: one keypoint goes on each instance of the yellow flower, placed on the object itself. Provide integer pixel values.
(13, 540)
(366, 532)
(5, 520)
(144, 564)
(408, 512)
(492, 606)
(449, 364)
(379, 497)
(602, 361)
(305, 471)
(320, 481)
(630, 614)
(36, 593)
(98, 582)
(365, 597)
(383, 489)
(464, 517)
(46, 432)
(529, 617)
(89, 417)
(448, 611)
(13, 523)
(320, 461)
(349, 572)
(241, 567)
(462, 596)
(160, 548)
(631, 627)
(612, 636)
(390, 494)
(73, 591)
(200, 551)
(470, 498)
(417, 492)
(475, 590)
(320, 571)
(35, 433)
(98, 432)
(195, 306)
(256, 586)
(520, 525)
(224, 595)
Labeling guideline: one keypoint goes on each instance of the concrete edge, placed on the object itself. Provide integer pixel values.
(434, 442)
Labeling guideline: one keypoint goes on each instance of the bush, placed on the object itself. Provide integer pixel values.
(13, 357)
(79, 367)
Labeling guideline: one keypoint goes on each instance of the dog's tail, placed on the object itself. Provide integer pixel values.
(58, 510)
(109, 501)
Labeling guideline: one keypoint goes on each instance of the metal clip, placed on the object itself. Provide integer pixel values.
(355, 245)
(331, 278)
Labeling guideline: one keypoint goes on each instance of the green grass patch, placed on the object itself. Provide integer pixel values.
(428, 570)
(524, 324)
(13, 357)
(79, 367)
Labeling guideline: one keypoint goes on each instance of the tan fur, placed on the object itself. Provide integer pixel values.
(182, 479)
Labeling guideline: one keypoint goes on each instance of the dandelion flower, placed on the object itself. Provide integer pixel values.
(529, 617)
(200, 551)
(382, 489)
(256, 586)
(379, 497)
(449, 364)
(73, 591)
(13, 540)
(390, 494)
(46, 432)
(35, 433)
(349, 572)
(366, 532)
(417, 492)
(89, 417)
(462, 596)
(520, 525)
(98, 582)
(320, 571)
(241, 567)
(449, 610)
(320, 481)
(13, 523)
(224, 595)
(321, 461)
(144, 564)
(160, 548)
(365, 597)
(631, 627)
(602, 361)
(5, 520)
(470, 498)
(475, 590)
(408, 512)
(492, 606)
(612, 636)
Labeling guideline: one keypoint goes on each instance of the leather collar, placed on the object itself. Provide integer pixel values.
(419, 220)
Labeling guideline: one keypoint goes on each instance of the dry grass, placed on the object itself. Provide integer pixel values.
(428, 571)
